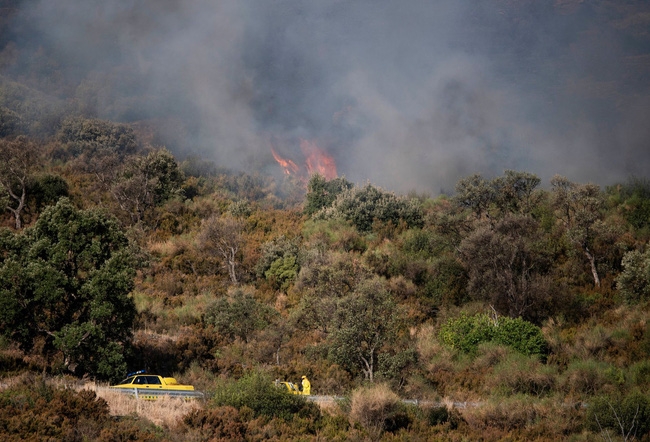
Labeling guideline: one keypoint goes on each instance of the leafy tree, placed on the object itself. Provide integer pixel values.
(145, 182)
(48, 189)
(475, 193)
(283, 272)
(363, 206)
(18, 159)
(223, 237)
(365, 325)
(627, 416)
(92, 137)
(636, 202)
(10, 122)
(278, 262)
(273, 250)
(507, 267)
(324, 280)
(634, 281)
(322, 193)
(514, 192)
(580, 208)
(65, 285)
(238, 316)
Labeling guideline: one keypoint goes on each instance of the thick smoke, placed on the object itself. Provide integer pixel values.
(407, 95)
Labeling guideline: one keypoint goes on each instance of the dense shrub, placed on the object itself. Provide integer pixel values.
(221, 423)
(363, 206)
(465, 333)
(628, 416)
(437, 415)
(634, 281)
(81, 135)
(33, 410)
(322, 193)
(257, 392)
(239, 316)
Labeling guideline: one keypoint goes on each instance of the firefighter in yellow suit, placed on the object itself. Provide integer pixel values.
(306, 386)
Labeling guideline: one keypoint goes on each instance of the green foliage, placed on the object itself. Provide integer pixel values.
(437, 415)
(634, 281)
(48, 189)
(240, 209)
(239, 316)
(636, 202)
(283, 272)
(520, 335)
(627, 416)
(363, 206)
(322, 193)
(447, 283)
(276, 249)
(257, 392)
(514, 192)
(144, 182)
(465, 333)
(508, 266)
(28, 111)
(66, 282)
(92, 136)
(10, 123)
(365, 324)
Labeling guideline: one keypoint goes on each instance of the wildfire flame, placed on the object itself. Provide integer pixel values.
(290, 168)
(316, 161)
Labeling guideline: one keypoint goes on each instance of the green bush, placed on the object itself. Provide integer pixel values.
(437, 415)
(627, 416)
(257, 392)
(364, 206)
(520, 335)
(465, 333)
(640, 373)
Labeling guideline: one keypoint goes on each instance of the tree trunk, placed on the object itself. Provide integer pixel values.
(21, 203)
(592, 263)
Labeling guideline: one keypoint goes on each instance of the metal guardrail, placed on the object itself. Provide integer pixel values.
(150, 393)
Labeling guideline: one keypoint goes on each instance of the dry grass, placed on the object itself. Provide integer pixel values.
(165, 411)
(372, 406)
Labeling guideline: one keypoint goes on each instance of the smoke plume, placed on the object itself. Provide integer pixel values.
(407, 95)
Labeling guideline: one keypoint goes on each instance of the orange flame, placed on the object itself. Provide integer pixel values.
(316, 161)
(290, 168)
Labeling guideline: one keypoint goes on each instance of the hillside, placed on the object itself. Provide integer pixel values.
(514, 306)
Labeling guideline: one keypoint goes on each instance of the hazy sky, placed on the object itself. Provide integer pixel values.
(410, 94)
